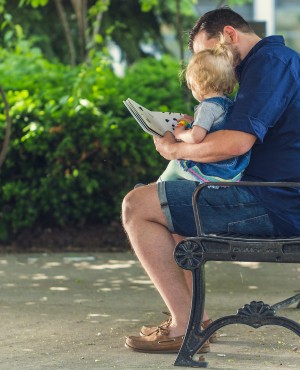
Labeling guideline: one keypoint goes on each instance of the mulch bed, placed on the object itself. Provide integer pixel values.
(92, 238)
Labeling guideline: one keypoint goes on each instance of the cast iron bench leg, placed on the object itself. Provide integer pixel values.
(192, 253)
(195, 337)
(189, 256)
(287, 302)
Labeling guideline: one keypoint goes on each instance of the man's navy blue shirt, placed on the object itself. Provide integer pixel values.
(268, 106)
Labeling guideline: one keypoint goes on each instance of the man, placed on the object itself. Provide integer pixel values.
(265, 119)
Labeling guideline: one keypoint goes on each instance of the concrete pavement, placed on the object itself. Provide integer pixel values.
(72, 311)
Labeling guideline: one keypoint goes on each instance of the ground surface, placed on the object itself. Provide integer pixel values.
(93, 238)
(73, 311)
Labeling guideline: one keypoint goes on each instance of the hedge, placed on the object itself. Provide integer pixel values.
(75, 151)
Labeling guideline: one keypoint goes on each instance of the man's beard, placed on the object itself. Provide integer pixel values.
(236, 56)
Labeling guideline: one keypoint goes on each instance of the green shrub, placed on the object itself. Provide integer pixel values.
(75, 150)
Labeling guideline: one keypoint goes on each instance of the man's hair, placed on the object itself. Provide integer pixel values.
(213, 23)
(211, 70)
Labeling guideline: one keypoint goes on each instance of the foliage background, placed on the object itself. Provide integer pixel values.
(74, 150)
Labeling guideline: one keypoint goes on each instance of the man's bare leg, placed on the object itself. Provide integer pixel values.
(153, 244)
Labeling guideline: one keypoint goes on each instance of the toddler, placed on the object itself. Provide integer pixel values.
(211, 77)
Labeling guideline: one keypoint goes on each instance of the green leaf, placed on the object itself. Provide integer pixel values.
(147, 5)
(98, 39)
(19, 31)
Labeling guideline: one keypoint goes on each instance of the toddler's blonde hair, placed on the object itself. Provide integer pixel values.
(211, 70)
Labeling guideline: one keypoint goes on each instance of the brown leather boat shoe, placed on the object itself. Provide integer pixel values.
(159, 342)
(150, 329)
(215, 336)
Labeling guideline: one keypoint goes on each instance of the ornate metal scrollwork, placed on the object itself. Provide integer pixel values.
(188, 254)
(256, 309)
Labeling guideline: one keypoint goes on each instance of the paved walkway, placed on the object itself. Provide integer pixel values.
(72, 311)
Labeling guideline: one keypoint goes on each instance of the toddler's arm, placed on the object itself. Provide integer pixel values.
(192, 136)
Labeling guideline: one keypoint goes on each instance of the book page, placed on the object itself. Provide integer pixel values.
(155, 123)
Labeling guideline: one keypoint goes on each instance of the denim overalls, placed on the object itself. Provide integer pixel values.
(227, 170)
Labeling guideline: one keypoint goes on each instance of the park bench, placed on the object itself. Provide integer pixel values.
(192, 254)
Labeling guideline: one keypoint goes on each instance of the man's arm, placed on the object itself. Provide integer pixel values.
(217, 146)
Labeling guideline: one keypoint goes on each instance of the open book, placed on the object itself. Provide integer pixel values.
(155, 123)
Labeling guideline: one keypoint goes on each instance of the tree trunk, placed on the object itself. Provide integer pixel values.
(179, 31)
(96, 29)
(7, 130)
(102, 6)
(62, 15)
(80, 8)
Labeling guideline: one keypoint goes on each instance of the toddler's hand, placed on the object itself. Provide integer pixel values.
(188, 118)
(178, 130)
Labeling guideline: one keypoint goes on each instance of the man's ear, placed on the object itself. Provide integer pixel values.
(230, 34)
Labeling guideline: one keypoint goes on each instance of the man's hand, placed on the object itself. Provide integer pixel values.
(165, 145)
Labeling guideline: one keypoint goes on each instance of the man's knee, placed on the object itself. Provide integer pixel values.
(141, 204)
(129, 207)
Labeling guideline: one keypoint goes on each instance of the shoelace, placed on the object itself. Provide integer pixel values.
(164, 325)
(162, 330)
